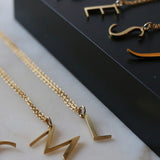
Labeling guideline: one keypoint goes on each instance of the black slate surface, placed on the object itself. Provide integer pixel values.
(96, 29)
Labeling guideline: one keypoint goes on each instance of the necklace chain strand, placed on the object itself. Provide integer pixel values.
(13, 85)
(135, 2)
(39, 73)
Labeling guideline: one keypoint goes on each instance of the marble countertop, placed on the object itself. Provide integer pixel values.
(18, 124)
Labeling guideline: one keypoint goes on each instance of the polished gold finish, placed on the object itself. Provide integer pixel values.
(150, 25)
(115, 6)
(8, 143)
(93, 132)
(134, 2)
(130, 29)
(102, 8)
(81, 111)
(144, 55)
(142, 29)
(72, 143)
(42, 117)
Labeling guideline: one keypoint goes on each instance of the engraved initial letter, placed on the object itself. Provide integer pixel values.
(72, 143)
(101, 8)
(93, 132)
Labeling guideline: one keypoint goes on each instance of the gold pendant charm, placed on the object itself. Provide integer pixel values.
(93, 132)
(144, 55)
(72, 143)
(102, 8)
(130, 29)
(8, 143)
(146, 27)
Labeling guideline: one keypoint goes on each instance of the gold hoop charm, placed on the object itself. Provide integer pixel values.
(82, 111)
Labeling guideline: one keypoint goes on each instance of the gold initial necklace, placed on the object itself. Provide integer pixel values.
(72, 142)
(116, 5)
(81, 111)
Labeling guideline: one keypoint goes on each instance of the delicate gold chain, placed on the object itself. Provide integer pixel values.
(151, 26)
(154, 26)
(40, 74)
(13, 85)
(133, 2)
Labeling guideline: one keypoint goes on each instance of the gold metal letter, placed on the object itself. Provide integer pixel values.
(126, 31)
(72, 143)
(101, 8)
(93, 132)
(8, 143)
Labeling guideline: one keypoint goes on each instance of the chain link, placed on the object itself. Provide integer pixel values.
(154, 26)
(13, 85)
(40, 74)
(133, 2)
(151, 26)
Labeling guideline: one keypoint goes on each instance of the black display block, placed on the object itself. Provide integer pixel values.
(128, 86)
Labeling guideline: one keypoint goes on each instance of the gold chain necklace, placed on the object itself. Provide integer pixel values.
(72, 142)
(81, 111)
(116, 5)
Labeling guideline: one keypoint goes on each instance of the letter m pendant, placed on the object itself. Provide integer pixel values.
(72, 143)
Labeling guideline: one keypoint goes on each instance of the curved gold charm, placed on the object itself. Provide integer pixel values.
(130, 29)
(144, 55)
(8, 143)
(71, 143)
(93, 132)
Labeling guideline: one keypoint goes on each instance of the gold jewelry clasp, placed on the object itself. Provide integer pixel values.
(130, 29)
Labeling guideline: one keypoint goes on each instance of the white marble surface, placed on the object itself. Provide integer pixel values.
(18, 124)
